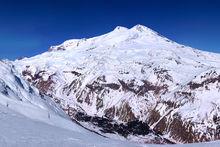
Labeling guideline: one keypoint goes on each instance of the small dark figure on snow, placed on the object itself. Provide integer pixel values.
(48, 115)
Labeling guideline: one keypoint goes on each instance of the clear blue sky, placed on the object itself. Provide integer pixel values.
(29, 27)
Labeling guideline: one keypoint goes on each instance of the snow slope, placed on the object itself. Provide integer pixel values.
(132, 75)
(25, 130)
(20, 131)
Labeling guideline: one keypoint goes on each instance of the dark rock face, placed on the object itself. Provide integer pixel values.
(194, 86)
(60, 48)
(4, 88)
(37, 80)
(124, 129)
(145, 88)
(109, 126)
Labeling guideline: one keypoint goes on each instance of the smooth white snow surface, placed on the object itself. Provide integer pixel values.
(20, 131)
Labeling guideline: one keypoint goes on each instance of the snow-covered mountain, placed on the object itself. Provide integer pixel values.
(133, 84)
(30, 119)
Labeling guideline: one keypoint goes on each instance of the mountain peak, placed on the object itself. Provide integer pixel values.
(120, 28)
(142, 28)
(120, 34)
(138, 27)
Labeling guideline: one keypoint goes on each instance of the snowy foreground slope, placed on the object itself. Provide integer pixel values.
(20, 131)
(132, 84)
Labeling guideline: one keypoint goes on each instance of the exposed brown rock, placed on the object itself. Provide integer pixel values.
(37, 80)
(145, 88)
(161, 126)
(112, 86)
(45, 86)
(125, 113)
(74, 72)
(194, 86)
(181, 131)
(110, 113)
(153, 117)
